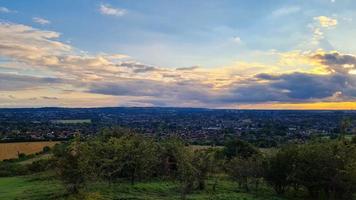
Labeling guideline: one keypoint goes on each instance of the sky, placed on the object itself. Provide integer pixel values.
(271, 54)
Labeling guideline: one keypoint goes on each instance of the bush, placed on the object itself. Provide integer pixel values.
(46, 149)
(39, 165)
(12, 169)
(239, 148)
(325, 169)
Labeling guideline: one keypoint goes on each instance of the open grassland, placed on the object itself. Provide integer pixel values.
(40, 187)
(30, 187)
(11, 150)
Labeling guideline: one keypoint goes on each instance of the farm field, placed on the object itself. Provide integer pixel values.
(11, 150)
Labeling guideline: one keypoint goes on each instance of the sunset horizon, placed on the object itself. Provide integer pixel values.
(283, 55)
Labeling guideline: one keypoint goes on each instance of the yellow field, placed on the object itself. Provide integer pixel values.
(11, 150)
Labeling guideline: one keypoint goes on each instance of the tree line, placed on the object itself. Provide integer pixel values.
(323, 169)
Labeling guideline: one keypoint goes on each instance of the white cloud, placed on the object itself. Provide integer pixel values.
(107, 9)
(41, 21)
(237, 39)
(325, 21)
(286, 11)
(4, 10)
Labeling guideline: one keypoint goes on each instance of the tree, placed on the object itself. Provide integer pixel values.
(281, 168)
(246, 171)
(205, 163)
(169, 150)
(353, 140)
(126, 156)
(326, 169)
(68, 166)
(239, 148)
(185, 171)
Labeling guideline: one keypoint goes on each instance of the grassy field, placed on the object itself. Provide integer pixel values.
(11, 150)
(30, 187)
(40, 187)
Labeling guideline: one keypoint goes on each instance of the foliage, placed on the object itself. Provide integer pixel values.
(280, 171)
(246, 171)
(68, 166)
(12, 169)
(239, 148)
(325, 169)
(127, 156)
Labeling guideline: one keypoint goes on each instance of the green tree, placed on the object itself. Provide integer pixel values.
(124, 156)
(281, 168)
(325, 169)
(246, 171)
(186, 172)
(239, 148)
(205, 163)
(169, 150)
(68, 166)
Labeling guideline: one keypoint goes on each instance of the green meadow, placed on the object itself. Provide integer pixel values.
(45, 186)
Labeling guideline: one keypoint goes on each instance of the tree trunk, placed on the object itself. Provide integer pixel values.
(133, 177)
(201, 185)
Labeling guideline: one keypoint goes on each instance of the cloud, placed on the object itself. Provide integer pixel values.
(336, 62)
(40, 20)
(41, 50)
(187, 68)
(339, 84)
(286, 11)
(107, 9)
(325, 21)
(118, 78)
(236, 39)
(12, 82)
(49, 98)
(320, 25)
(5, 10)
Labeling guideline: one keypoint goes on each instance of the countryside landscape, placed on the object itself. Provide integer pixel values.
(177, 100)
(234, 154)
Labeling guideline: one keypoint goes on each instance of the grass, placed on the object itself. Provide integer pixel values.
(44, 186)
(30, 187)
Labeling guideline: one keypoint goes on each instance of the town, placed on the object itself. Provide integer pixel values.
(264, 128)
